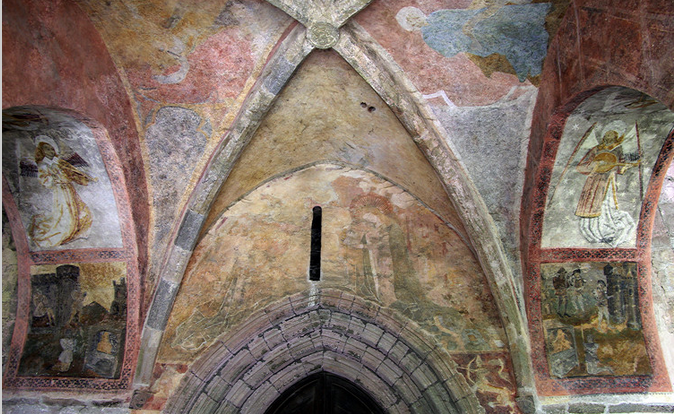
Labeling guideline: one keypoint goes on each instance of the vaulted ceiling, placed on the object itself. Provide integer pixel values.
(494, 180)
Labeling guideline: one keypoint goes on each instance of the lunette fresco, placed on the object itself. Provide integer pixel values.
(58, 179)
(603, 165)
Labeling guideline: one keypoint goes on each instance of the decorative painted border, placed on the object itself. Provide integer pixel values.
(26, 259)
(84, 255)
(546, 385)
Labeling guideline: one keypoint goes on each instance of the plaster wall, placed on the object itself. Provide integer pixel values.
(38, 47)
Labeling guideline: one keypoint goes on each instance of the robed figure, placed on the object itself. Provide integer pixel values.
(69, 218)
(601, 219)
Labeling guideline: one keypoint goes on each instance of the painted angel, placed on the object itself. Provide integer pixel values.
(601, 220)
(70, 218)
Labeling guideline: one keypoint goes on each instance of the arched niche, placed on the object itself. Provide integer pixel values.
(329, 331)
(78, 289)
(370, 60)
(662, 259)
(379, 243)
(590, 301)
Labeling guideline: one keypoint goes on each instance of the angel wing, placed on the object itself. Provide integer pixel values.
(28, 168)
(21, 120)
(75, 160)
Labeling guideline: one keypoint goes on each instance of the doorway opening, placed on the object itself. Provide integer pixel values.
(324, 393)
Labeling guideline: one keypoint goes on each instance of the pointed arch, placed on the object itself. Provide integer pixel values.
(248, 368)
(572, 137)
(77, 280)
(379, 70)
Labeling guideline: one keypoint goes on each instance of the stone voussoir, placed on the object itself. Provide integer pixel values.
(204, 405)
(238, 394)
(371, 334)
(279, 311)
(372, 358)
(258, 347)
(333, 340)
(261, 399)
(257, 374)
(288, 376)
(389, 371)
(407, 389)
(424, 377)
(211, 361)
(237, 365)
(398, 351)
(386, 342)
(354, 349)
(191, 387)
(273, 337)
(217, 388)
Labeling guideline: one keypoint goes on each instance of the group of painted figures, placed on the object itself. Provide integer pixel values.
(611, 299)
(572, 285)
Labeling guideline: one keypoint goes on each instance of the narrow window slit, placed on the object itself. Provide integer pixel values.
(315, 258)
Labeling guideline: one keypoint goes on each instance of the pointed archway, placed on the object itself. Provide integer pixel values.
(386, 78)
(331, 331)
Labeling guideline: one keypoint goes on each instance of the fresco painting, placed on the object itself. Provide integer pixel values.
(515, 32)
(59, 182)
(70, 218)
(490, 376)
(601, 220)
(77, 323)
(604, 161)
(10, 273)
(259, 250)
(592, 320)
(382, 267)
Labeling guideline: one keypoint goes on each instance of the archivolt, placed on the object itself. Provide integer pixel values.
(331, 331)
(373, 63)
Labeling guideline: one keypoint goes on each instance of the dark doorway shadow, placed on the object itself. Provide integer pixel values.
(324, 393)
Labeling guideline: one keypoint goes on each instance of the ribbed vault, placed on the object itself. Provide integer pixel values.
(385, 77)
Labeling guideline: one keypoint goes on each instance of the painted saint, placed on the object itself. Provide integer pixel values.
(70, 218)
(601, 220)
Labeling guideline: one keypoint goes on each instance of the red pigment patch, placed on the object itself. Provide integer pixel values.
(218, 70)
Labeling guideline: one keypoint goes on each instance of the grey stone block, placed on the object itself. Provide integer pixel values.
(554, 409)
(161, 305)
(586, 408)
(189, 229)
(641, 408)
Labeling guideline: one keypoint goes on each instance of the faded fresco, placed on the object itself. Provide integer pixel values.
(514, 32)
(77, 324)
(58, 179)
(378, 242)
(189, 66)
(466, 53)
(476, 60)
(489, 375)
(592, 320)
(10, 273)
(603, 165)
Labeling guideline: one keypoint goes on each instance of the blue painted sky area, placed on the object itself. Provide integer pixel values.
(515, 31)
